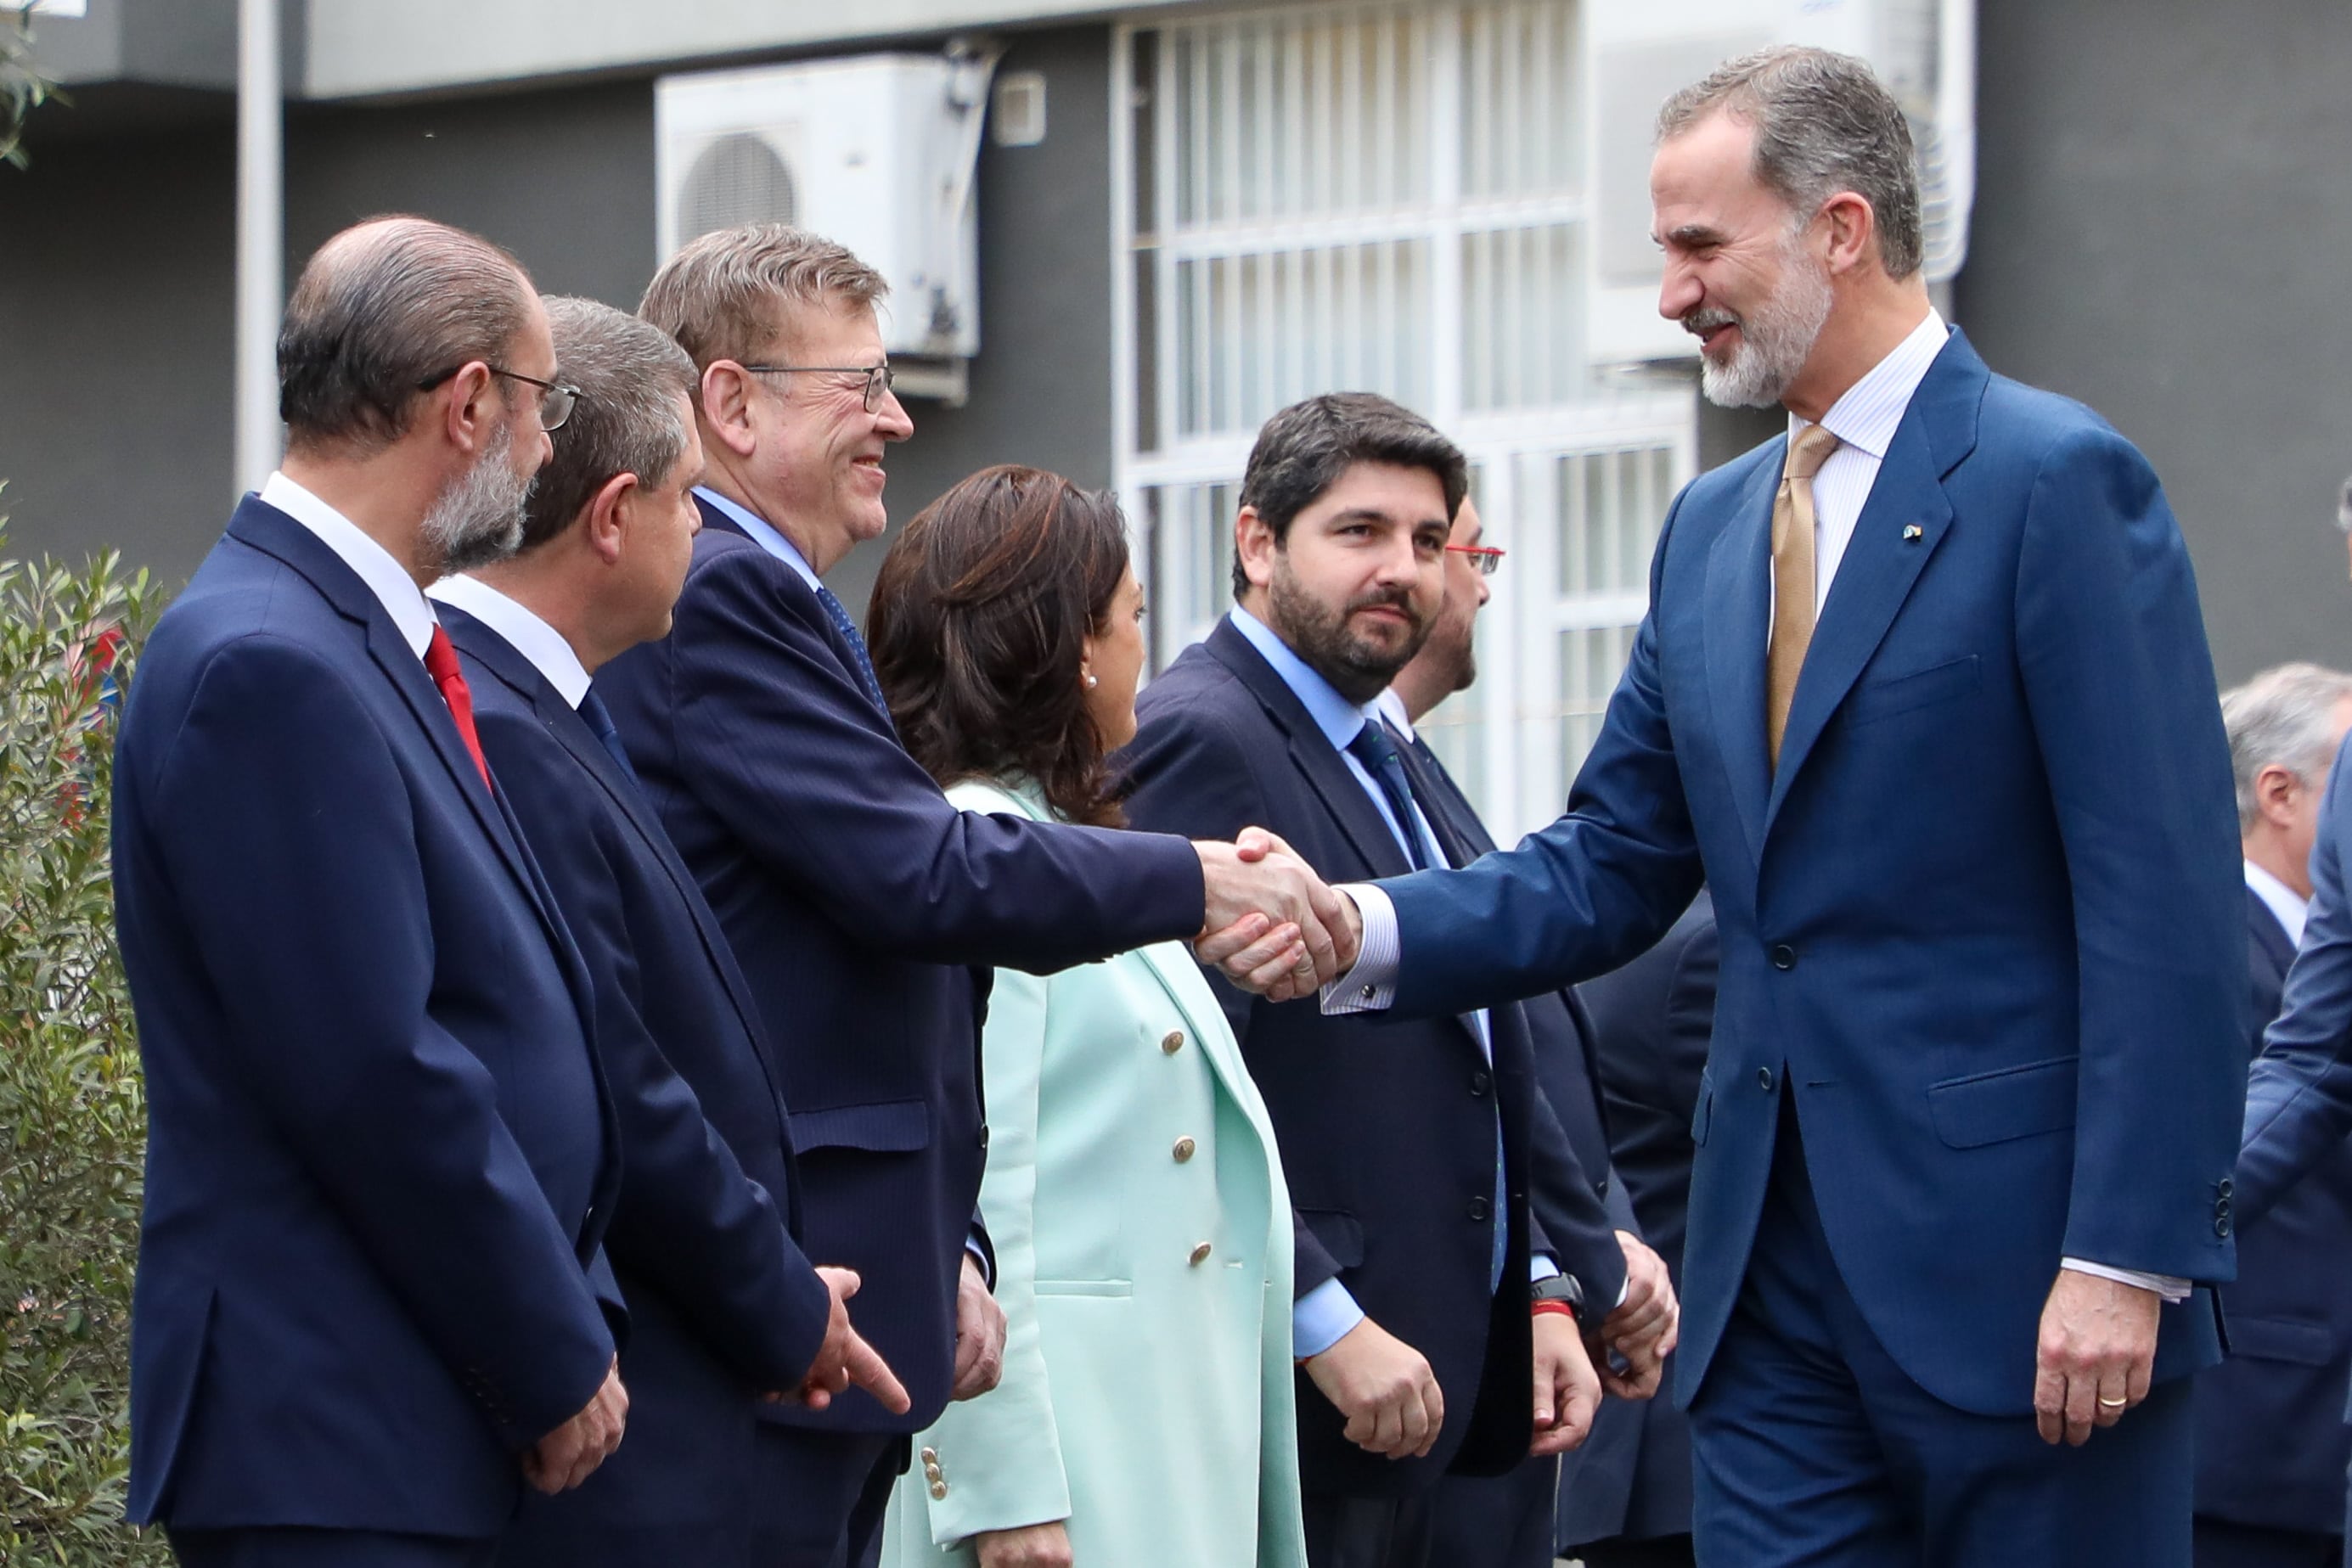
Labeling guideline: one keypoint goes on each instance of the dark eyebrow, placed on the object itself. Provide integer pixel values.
(1689, 235)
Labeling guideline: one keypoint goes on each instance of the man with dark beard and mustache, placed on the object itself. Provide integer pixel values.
(1922, 694)
(1423, 1348)
(371, 1303)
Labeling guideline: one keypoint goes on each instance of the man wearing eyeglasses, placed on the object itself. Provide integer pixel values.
(371, 1301)
(864, 909)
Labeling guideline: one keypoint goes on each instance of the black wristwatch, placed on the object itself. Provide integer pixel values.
(1559, 1288)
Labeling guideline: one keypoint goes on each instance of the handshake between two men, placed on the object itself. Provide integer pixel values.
(1275, 928)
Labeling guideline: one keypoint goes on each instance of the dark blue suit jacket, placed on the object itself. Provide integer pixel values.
(1650, 1022)
(724, 1305)
(1387, 1129)
(854, 896)
(1983, 922)
(379, 1152)
(2272, 1439)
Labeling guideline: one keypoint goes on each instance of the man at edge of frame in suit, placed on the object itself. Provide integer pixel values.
(725, 1309)
(1922, 693)
(2273, 1444)
(371, 1302)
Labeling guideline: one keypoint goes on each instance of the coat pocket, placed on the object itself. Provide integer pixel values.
(1880, 699)
(1341, 1234)
(2283, 1339)
(2012, 1103)
(888, 1127)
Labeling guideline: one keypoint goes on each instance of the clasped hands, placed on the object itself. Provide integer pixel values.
(1271, 925)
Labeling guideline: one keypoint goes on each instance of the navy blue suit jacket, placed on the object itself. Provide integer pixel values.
(2272, 1443)
(723, 1304)
(1650, 1022)
(379, 1152)
(1387, 1129)
(1982, 922)
(855, 897)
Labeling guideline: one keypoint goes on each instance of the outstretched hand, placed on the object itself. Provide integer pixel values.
(1272, 927)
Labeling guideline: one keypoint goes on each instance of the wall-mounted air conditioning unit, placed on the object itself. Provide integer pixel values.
(1924, 51)
(876, 152)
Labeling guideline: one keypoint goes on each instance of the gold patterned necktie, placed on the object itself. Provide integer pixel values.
(1793, 579)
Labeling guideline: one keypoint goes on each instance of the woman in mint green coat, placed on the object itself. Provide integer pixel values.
(1140, 1223)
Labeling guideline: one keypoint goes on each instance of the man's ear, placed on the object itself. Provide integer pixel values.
(724, 403)
(462, 404)
(2274, 788)
(1255, 545)
(610, 511)
(1853, 230)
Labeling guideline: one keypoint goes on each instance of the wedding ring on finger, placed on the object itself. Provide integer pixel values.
(2106, 1404)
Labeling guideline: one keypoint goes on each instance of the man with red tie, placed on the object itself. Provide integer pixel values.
(371, 1302)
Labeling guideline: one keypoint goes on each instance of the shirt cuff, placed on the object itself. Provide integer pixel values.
(1320, 1318)
(2171, 1287)
(1541, 1266)
(1370, 984)
(980, 1259)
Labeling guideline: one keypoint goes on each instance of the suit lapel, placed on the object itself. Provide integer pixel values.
(1734, 631)
(508, 665)
(1313, 751)
(1904, 521)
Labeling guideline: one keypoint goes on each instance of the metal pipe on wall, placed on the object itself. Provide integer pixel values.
(260, 239)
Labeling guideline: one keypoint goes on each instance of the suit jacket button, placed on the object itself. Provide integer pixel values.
(1481, 1081)
(1200, 1253)
(1172, 1041)
(939, 1488)
(1783, 955)
(931, 1458)
(1764, 1079)
(1600, 1187)
(1184, 1150)
(2220, 1205)
(2228, 1187)
(1482, 1208)
(2221, 1226)
(983, 1138)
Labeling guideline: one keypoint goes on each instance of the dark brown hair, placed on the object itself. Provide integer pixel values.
(1309, 446)
(977, 627)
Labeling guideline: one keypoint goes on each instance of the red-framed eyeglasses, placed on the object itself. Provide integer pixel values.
(1485, 558)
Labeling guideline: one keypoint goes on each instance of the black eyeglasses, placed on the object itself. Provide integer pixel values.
(1485, 558)
(556, 399)
(877, 377)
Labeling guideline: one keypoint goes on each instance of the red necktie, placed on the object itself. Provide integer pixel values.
(441, 664)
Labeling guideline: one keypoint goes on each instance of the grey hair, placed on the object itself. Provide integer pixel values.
(1823, 124)
(2284, 717)
(631, 375)
(719, 295)
(379, 310)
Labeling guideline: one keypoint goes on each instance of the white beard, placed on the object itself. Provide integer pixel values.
(479, 519)
(1775, 339)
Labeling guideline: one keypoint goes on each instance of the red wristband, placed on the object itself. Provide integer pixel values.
(1562, 1308)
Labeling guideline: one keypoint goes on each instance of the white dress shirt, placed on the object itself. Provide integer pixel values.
(2291, 908)
(385, 577)
(1864, 419)
(531, 637)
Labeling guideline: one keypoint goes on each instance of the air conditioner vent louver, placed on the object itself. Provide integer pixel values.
(737, 179)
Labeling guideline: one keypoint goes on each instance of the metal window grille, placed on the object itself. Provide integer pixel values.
(1390, 197)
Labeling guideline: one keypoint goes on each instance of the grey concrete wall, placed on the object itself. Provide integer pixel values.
(116, 336)
(2163, 223)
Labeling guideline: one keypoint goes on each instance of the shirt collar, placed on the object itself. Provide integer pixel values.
(2290, 906)
(764, 534)
(531, 637)
(1335, 715)
(1865, 417)
(384, 576)
(1389, 706)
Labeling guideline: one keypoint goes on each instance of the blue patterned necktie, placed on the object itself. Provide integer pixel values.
(1378, 753)
(838, 613)
(599, 723)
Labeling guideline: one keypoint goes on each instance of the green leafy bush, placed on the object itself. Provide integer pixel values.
(72, 1114)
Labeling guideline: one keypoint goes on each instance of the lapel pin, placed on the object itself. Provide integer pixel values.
(1914, 533)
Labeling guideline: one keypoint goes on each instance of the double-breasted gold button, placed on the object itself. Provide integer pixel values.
(1184, 1150)
(931, 1458)
(1200, 1253)
(1172, 1041)
(939, 1488)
